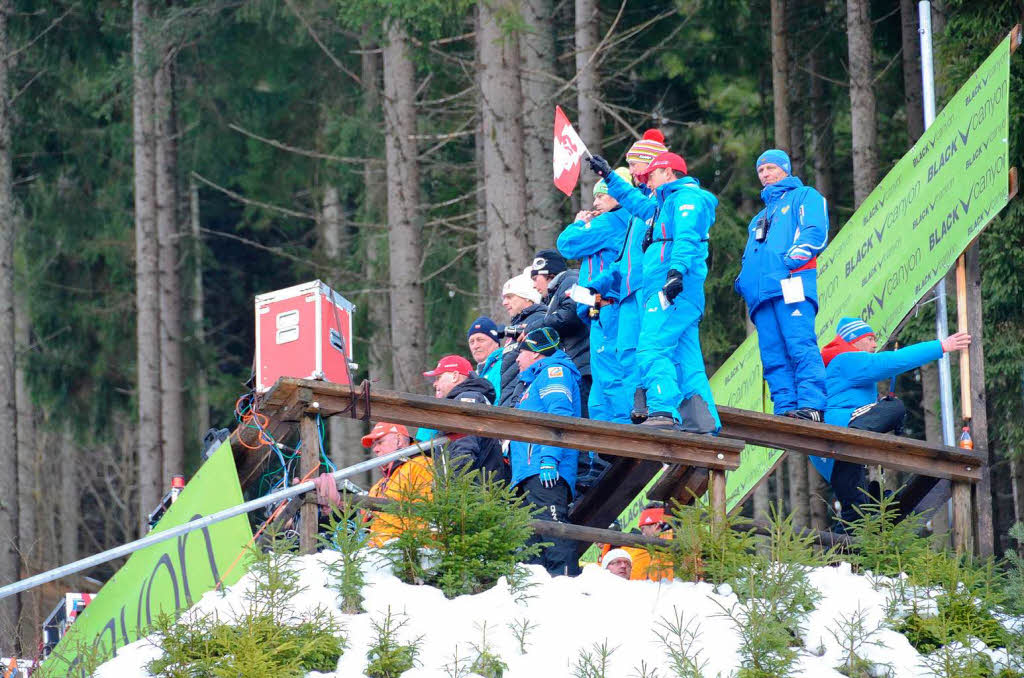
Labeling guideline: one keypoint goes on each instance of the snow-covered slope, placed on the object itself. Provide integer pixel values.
(572, 614)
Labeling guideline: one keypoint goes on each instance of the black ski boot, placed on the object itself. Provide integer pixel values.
(639, 413)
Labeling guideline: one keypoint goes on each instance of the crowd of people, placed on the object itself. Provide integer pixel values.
(618, 340)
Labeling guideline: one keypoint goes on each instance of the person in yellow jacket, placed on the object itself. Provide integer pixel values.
(409, 479)
(652, 524)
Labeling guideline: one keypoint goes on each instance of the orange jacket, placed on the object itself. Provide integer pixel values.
(643, 568)
(412, 479)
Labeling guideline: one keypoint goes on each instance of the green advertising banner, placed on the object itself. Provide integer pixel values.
(896, 246)
(164, 577)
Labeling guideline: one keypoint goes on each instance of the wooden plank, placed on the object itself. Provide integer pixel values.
(846, 444)
(963, 540)
(716, 492)
(309, 461)
(613, 492)
(961, 326)
(1014, 183)
(681, 484)
(501, 422)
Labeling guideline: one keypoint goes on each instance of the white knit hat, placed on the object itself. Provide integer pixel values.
(521, 286)
(613, 555)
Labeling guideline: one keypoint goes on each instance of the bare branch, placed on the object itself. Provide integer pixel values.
(302, 151)
(316, 38)
(255, 203)
(53, 24)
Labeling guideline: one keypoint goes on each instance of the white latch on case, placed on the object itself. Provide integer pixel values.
(287, 326)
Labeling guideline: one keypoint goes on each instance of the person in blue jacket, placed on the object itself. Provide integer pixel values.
(484, 340)
(852, 372)
(545, 474)
(675, 249)
(594, 239)
(783, 243)
(624, 279)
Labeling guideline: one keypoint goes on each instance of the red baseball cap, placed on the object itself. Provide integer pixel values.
(652, 516)
(381, 429)
(450, 363)
(667, 159)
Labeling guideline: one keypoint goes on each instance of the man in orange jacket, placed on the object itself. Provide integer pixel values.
(409, 479)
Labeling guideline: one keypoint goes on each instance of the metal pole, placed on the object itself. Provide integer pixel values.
(924, 15)
(206, 521)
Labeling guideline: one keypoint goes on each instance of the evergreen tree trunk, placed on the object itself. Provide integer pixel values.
(9, 547)
(147, 279)
(172, 379)
(984, 529)
(821, 135)
(588, 88)
(70, 493)
(798, 85)
(373, 211)
(537, 45)
(343, 432)
(862, 99)
(799, 491)
(912, 96)
(405, 251)
(29, 483)
(504, 170)
(780, 75)
(198, 314)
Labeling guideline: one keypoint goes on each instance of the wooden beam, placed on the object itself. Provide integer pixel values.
(716, 492)
(621, 440)
(847, 444)
(1014, 184)
(963, 539)
(309, 461)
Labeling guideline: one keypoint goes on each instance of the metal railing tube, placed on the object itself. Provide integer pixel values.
(206, 521)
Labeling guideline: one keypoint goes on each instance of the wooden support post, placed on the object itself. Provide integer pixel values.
(309, 460)
(716, 492)
(963, 538)
(961, 326)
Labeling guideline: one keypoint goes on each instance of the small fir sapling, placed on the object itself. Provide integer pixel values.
(593, 663)
(486, 664)
(521, 629)
(346, 536)
(388, 657)
(679, 638)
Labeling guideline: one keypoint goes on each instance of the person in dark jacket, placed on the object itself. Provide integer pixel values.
(783, 243)
(522, 301)
(545, 474)
(552, 278)
(455, 380)
(852, 372)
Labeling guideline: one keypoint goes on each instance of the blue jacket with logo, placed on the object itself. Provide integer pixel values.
(552, 386)
(679, 238)
(797, 220)
(490, 369)
(596, 244)
(626, 278)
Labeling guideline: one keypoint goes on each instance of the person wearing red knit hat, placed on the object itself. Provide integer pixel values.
(622, 279)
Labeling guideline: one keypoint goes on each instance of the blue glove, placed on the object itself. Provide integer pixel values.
(548, 473)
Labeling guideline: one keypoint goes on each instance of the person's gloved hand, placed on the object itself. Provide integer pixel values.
(548, 473)
(326, 490)
(599, 166)
(505, 445)
(673, 284)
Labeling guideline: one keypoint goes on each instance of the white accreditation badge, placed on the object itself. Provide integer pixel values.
(793, 290)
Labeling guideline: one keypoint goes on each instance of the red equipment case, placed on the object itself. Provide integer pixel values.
(303, 331)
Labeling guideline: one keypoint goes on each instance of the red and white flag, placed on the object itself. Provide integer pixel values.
(568, 150)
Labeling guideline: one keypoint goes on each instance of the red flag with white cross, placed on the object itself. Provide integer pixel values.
(568, 150)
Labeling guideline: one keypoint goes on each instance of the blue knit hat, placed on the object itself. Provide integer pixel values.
(776, 157)
(851, 329)
(483, 325)
(543, 340)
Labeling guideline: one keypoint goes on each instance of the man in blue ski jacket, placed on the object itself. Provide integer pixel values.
(783, 244)
(625, 278)
(852, 372)
(595, 239)
(545, 474)
(675, 248)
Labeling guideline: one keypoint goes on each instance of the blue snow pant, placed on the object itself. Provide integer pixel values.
(672, 365)
(604, 367)
(789, 354)
(626, 336)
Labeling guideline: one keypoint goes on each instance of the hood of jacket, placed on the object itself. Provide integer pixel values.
(471, 390)
(521, 317)
(836, 347)
(773, 192)
(558, 358)
(691, 184)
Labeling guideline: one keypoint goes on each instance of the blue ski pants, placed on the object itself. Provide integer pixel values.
(789, 354)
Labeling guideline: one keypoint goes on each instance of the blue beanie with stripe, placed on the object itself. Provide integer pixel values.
(775, 157)
(852, 329)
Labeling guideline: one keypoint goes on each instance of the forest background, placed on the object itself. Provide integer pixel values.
(161, 163)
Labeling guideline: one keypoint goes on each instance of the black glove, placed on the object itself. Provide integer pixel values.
(673, 284)
(600, 166)
(648, 239)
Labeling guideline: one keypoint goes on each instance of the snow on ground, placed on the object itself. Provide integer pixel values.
(570, 614)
